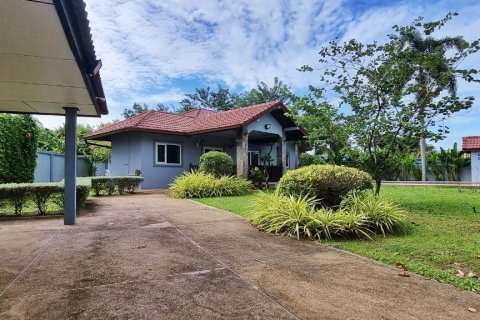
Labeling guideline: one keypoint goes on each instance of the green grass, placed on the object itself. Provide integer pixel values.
(240, 205)
(30, 209)
(444, 237)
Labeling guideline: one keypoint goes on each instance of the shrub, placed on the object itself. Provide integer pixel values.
(16, 194)
(18, 148)
(83, 190)
(326, 183)
(383, 217)
(285, 215)
(299, 217)
(307, 159)
(216, 163)
(109, 184)
(41, 193)
(202, 185)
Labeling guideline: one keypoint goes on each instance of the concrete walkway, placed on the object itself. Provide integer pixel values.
(147, 256)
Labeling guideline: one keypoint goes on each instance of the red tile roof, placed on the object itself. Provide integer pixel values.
(189, 123)
(471, 143)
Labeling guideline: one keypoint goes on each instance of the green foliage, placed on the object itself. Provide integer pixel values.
(328, 130)
(220, 100)
(18, 148)
(377, 83)
(408, 168)
(138, 108)
(54, 140)
(299, 217)
(382, 216)
(216, 163)
(258, 176)
(307, 159)
(452, 162)
(202, 185)
(264, 93)
(434, 164)
(41, 194)
(122, 184)
(329, 184)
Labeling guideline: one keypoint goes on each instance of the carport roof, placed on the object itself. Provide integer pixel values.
(47, 59)
(201, 121)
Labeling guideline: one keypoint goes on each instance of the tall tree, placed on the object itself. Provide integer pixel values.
(328, 130)
(135, 109)
(220, 100)
(435, 72)
(264, 93)
(138, 108)
(377, 82)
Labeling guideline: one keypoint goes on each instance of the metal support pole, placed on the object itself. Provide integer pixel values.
(70, 165)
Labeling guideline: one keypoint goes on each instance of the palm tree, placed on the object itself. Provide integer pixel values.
(434, 74)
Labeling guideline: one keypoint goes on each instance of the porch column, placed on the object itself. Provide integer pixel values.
(242, 154)
(283, 148)
(70, 199)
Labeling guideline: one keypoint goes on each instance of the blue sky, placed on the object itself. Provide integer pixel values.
(156, 51)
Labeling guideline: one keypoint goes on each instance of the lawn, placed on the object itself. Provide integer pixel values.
(444, 236)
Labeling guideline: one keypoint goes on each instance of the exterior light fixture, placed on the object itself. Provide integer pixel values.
(267, 126)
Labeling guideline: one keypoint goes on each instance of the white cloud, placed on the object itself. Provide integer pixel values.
(146, 45)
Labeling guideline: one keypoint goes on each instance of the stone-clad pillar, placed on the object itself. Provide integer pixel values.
(242, 154)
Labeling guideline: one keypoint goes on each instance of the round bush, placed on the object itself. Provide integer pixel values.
(216, 163)
(327, 183)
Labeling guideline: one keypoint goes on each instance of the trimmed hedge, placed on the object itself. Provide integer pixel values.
(216, 163)
(17, 194)
(202, 185)
(328, 184)
(18, 148)
(122, 184)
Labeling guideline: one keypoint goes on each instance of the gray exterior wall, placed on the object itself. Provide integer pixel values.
(136, 150)
(475, 166)
(51, 167)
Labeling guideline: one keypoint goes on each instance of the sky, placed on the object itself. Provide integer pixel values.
(156, 51)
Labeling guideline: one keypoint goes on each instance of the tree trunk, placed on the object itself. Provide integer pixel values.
(423, 157)
(378, 184)
(423, 146)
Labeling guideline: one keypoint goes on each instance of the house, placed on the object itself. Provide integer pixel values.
(471, 147)
(163, 145)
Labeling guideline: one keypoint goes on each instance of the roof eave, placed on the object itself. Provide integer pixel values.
(74, 20)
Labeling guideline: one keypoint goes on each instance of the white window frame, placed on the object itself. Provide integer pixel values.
(249, 157)
(167, 144)
(212, 148)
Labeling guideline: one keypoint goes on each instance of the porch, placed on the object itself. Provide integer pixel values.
(250, 149)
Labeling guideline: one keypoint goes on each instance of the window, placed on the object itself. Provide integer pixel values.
(168, 153)
(208, 149)
(253, 158)
(287, 165)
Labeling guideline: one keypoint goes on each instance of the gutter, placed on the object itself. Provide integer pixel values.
(75, 24)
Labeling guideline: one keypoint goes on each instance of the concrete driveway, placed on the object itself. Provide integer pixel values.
(147, 256)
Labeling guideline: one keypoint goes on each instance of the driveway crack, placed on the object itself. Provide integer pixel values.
(236, 274)
(42, 250)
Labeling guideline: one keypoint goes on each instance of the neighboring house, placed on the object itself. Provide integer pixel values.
(471, 147)
(163, 145)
